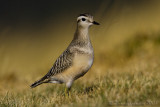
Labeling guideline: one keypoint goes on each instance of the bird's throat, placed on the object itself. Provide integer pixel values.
(82, 34)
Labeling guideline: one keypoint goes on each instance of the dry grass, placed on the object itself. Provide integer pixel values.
(126, 75)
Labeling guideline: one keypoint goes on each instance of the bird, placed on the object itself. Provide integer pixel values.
(76, 60)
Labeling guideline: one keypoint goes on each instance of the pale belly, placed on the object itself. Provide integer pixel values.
(81, 64)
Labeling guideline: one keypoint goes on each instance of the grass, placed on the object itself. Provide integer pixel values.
(139, 88)
(127, 75)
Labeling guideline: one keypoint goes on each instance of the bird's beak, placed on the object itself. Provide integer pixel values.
(95, 23)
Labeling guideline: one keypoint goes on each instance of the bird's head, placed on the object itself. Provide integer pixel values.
(86, 20)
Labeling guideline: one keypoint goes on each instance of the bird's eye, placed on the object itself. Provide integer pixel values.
(83, 19)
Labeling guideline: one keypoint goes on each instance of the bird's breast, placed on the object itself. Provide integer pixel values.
(83, 62)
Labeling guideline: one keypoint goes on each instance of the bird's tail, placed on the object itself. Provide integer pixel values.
(42, 80)
(36, 84)
(39, 82)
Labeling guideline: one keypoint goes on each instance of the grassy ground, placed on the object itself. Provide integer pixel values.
(126, 75)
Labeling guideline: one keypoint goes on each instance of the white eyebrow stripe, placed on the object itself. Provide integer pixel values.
(80, 17)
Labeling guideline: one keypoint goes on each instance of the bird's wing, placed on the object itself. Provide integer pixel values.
(61, 64)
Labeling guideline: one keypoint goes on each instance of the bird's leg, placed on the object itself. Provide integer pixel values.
(68, 85)
(67, 91)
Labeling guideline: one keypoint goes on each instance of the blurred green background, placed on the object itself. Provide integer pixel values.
(34, 33)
